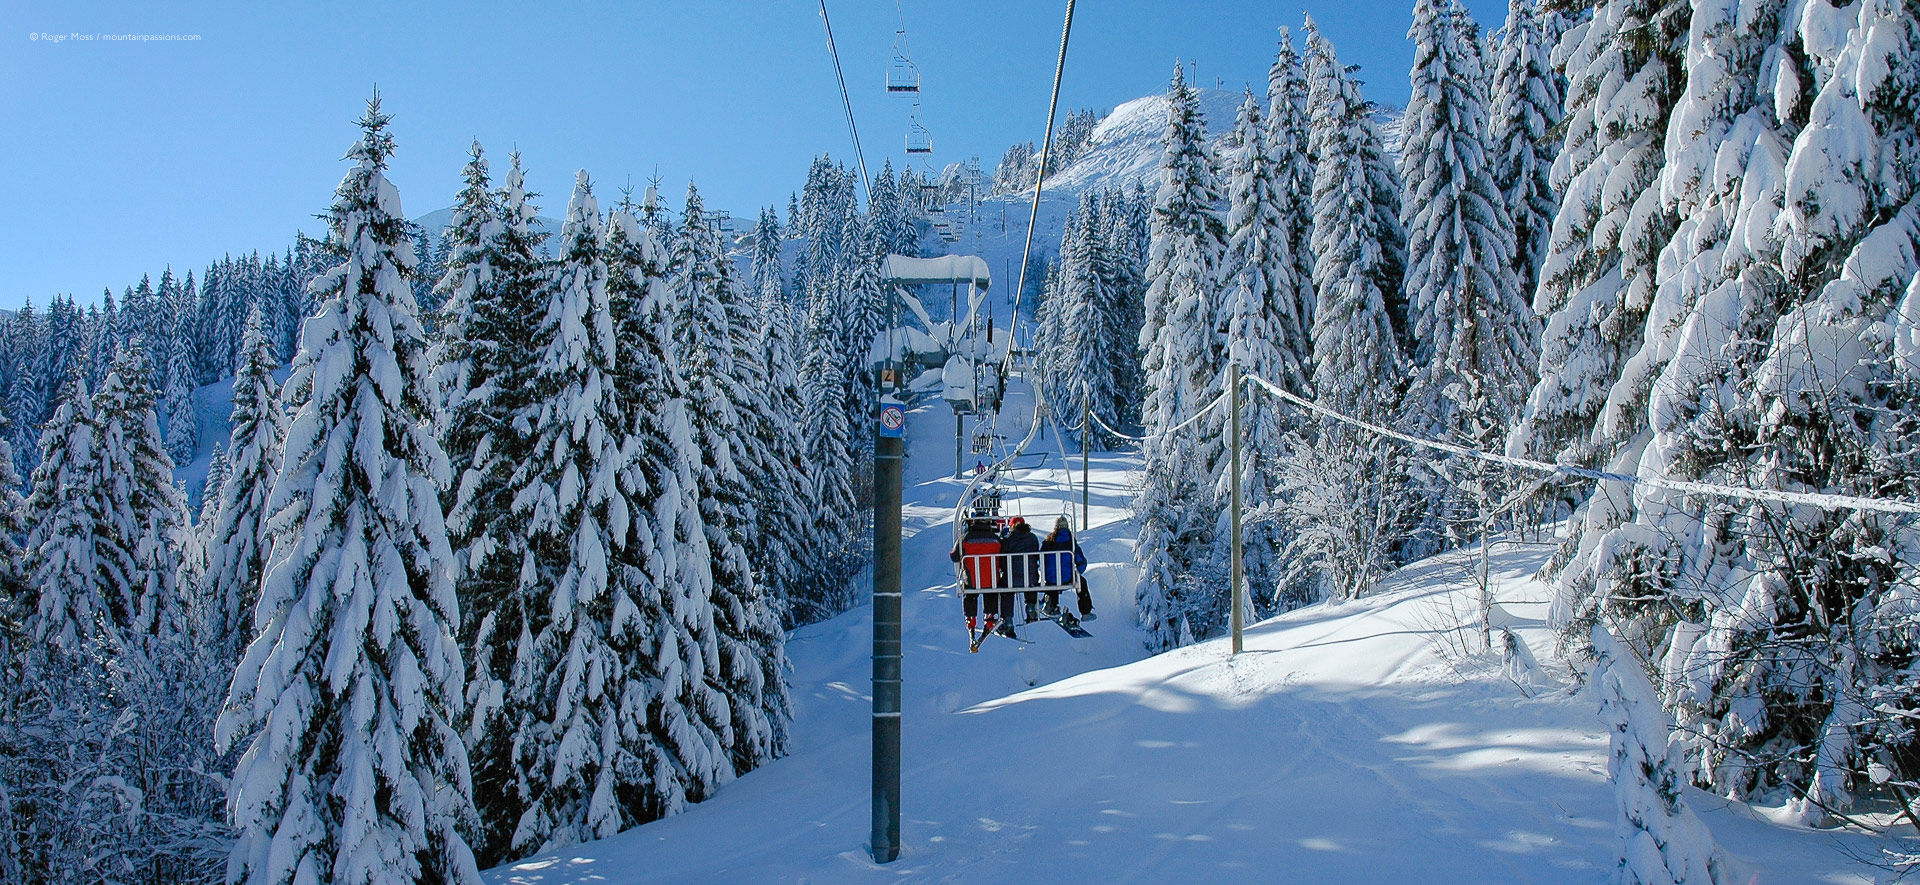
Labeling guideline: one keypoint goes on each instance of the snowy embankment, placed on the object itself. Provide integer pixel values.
(1356, 742)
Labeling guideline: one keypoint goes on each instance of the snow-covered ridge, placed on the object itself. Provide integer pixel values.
(1125, 149)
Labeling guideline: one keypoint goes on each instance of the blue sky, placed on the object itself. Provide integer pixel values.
(125, 157)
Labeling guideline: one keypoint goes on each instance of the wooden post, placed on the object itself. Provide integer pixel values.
(1238, 566)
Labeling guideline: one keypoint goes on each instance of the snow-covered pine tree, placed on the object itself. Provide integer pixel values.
(61, 343)
(1703, 331)
(766, 268)
(1625, 70)
(65, 595)
(51, 700)
(137, 310)
(1057, 330)
(1266, 338)
(883, 209)
(160, 317)
(782, 521)
(193, 534)
(1288, 134)
(237, 539)
(492, 291)
(27, 398)
(1183, 350)
(664, 566)
(163, 673)
(1343, 491)
(1122, 265)
(1474, 334)
(784, 526)
(233, 306)
(1808, 615)
(712, 327)
(1527, 106)
(1704, 334)
(829, 469)
(826, 202)
(1105, 332)
(1661, 840)
(349, 699)
(103, 338)
(1018, 167)
(585, 755)
(862, 314)
(144, 515)
(13, 528)
(1358, 245)
(183, 426)
(467, 271)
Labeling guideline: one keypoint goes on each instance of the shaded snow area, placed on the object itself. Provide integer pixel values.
(1358, 742)
(213, 413)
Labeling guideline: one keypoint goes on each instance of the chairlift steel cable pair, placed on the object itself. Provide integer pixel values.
(1040, 403)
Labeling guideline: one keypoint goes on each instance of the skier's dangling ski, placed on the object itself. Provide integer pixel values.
(993, 626)
(974, 639)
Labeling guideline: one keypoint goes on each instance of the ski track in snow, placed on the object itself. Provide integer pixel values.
(1341, 746)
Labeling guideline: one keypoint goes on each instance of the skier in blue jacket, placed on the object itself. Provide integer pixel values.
(1060, 569)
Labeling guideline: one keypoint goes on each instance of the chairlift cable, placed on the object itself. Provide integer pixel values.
(1039, 411)
(846, 102)
(1046, 151)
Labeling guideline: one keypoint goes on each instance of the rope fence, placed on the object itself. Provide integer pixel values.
(1747, 493)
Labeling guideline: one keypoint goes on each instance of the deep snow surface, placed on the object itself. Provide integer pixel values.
(1359, 742)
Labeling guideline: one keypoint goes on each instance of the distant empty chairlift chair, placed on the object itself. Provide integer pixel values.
(902, 74)
(919, 140)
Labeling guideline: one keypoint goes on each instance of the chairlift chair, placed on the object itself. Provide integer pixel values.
(902, 74)
(919, 140)
(1047, 571)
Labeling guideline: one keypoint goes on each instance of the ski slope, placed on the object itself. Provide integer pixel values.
(1348, 743)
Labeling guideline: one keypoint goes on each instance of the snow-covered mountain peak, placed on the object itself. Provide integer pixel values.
(1125, 149)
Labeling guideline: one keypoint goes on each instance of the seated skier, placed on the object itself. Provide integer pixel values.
(1062, 568)
(1023, 571)
(980, 544)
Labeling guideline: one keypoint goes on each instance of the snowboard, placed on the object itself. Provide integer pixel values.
(1072, 627)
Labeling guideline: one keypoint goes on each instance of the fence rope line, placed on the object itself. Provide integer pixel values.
(1174, 429)
(1814, 499)
(1778, 496)
(1109, 429)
